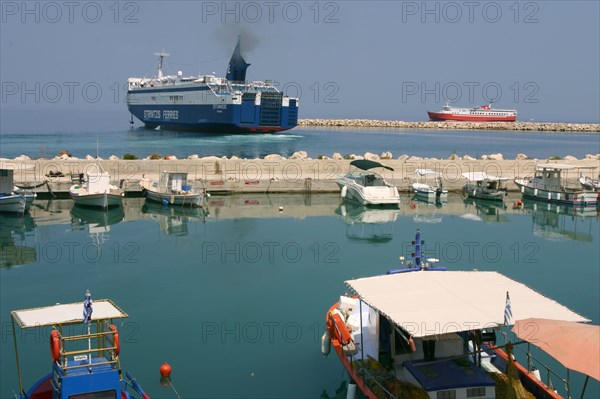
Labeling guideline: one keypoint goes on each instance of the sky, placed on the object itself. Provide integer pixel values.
(345, 59)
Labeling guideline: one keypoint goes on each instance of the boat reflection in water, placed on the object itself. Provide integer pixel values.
(485, 211)
(14, 233)
(370, 225)
(561, 222)
(97, 222)
(173, 220)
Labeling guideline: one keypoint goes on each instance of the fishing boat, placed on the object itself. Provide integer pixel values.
(483, 186)
(366, 187)
(10, 202)
(423, 190)
(549, 183)
(173, 188)
(484, 113)
(84, 350)
(422, 331)
(95, 190)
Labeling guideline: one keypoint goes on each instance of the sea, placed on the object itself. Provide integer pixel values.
(234, 297)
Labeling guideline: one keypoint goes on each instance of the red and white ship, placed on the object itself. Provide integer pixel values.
(485, 113)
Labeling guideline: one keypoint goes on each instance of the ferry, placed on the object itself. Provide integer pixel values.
(210, 104)
(484, 113)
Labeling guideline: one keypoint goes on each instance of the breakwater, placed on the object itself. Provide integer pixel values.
(454, 125)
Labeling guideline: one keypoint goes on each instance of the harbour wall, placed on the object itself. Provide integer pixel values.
(455, 125)
(274, 174)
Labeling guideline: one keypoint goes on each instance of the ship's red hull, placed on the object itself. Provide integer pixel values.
(439, 116)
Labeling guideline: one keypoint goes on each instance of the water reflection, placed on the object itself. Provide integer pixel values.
(96, 222)
(16, 250)
(485, 211)
(561, 222)
(173, 220)
(372, 225)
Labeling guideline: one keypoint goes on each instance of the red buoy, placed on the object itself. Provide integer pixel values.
(165, 370)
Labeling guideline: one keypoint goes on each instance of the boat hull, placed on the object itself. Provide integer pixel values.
(440, 116)
(103, 201)
(13, 204)
(474, 191)
(426, 192)
(567, 197)
(383, 195)
(175, 199)
(219, 118)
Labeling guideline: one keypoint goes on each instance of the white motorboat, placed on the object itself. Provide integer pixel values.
(549, 183)
(96, 191)
(366, 187)
(173, 188)
(425, 191)
(588, 183)
(483, 186)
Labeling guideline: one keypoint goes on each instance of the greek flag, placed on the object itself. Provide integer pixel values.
(87, 307)
(507, 311)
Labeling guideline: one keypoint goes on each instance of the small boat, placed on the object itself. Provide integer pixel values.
(484, 113)
(96, 191)
(588, 183)
(173, 188)
(424, 332)
(9, 201)
(29, 195)
(83, 365)
(484, 186)
(367, 188)
(549, 183)
(425, 191)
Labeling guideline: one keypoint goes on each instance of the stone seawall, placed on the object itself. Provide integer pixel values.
(221, 175)
(519, 126)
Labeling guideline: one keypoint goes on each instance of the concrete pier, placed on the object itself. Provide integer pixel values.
(273, 175)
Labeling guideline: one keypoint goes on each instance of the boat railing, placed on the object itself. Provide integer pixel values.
(105, 348)
(372, 381)
(535, 364)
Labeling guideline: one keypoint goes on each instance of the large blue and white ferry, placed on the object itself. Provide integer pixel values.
(211, 104)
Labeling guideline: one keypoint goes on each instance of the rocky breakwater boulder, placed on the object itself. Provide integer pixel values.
(299, 155)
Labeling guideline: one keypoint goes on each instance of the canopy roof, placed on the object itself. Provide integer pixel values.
(69, 313)
(427, 303)
(576, 346)
(365, 164)
(479, 176)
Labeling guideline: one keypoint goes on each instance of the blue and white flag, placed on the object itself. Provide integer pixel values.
(507, 311)
(87, 307)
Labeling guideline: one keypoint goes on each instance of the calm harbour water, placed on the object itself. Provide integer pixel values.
(79, 133)
(236, 301)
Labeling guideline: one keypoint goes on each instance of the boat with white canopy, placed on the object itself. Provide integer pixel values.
(484, 186)
(366, 187)
(424, 190)
(422, 332)
(83, 365)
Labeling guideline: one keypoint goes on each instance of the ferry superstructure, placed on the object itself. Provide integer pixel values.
(208, 103)
(484, 113)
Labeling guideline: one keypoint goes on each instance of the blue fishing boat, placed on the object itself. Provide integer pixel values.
(84, 350)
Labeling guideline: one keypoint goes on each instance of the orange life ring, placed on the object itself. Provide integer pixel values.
(55, 345)
(116, 341)
(341, 331)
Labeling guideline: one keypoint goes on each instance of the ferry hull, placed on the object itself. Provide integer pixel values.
(439, 116)
(223, 118)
